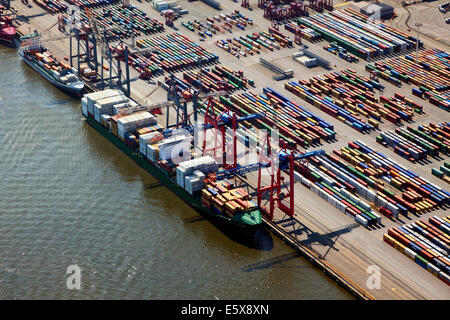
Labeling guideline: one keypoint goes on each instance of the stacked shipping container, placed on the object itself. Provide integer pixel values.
(342, 190)
(254, 43)
(415, 144)
(431, 74)
(389, 188)
(347, 96)
(129, 21)
(296, 125)
(91, 3)
(426, 243)
(52, 6)
(212, 25)
(219, 78)
(222, 197)
(418, 196)
(443, 172)
(354, 32)
(307, 33)
(174, 52)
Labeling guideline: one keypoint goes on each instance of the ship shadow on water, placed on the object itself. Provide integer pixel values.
(261, 240)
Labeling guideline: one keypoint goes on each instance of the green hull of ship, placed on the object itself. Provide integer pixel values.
(235, 230)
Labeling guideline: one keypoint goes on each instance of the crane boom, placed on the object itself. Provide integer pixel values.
(171, 103)
(94, 27)
(239, 170)
(309, 154)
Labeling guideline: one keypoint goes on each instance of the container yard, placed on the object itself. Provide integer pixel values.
(330, 119)
(443, 172)
(306, 33)
(349, 96)
(430, 76)
(218, 78)
(91, 4)
(416, 144)
(352, 31)
(51, 6)
(426, 243)
(366, 185)
(297, 126)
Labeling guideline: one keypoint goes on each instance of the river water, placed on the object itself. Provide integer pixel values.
(69, 197)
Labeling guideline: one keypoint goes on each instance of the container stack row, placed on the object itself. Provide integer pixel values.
(355, 33)
(254, 43)
(377, 170)
(220, 23)
(425, 242)
(354, 181)
(338, 188)
(431, 75)
(307, 33)
(349, 96)
(91, 3)
(414, 144)
(443, 172)
(174, 52)
(218, 78)
(373, 183)
(341, 52)
(296, 126)
(52, 6)
(127, 21)
(161, 5)
(223, 198)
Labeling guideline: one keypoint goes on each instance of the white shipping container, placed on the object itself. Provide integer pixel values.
(361, 220)
(409, 252)
(133, 121)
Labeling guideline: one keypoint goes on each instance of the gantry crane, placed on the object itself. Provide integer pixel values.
(278, 162)
(220, 122)
(113, 57)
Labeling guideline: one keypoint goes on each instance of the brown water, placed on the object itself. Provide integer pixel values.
(68, 196)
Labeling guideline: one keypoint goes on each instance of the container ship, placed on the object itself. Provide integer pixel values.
(7, 30)
(135, 131)
(58, 73)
